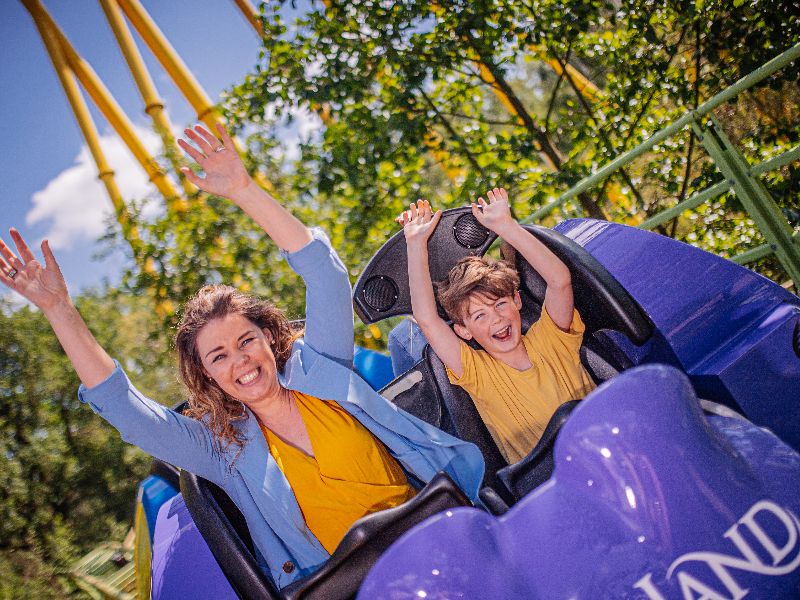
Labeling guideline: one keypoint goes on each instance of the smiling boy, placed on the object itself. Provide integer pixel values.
(518, 379)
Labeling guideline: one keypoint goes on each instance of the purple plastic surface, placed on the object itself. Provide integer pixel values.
(727, 327)
(649, 499)
(183, 566)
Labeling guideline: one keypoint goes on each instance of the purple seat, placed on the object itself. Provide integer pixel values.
(649, 499)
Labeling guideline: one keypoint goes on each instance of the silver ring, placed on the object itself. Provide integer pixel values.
(219, 148)
(12, 273)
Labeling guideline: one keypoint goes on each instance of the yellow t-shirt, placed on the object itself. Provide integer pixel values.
(350, 475)
(517, 405)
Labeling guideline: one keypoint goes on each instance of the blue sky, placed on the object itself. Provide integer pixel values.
(50, 188)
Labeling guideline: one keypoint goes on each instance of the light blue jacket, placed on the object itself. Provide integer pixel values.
(320, 365)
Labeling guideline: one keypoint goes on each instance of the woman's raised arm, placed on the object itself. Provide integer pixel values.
(329, 308)
(45, 287)
(225, 175)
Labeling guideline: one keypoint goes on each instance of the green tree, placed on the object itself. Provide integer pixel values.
(67, 480)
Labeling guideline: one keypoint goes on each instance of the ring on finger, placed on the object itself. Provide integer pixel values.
(219, 149)
(12, 273)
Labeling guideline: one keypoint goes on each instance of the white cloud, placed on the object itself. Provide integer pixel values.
(75, 204)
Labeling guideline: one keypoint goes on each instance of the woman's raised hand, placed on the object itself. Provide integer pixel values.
(419, 221)
(43, 286)
(218, 158)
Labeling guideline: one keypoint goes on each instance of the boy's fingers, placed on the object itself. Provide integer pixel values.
(490, 195)
(475, 211)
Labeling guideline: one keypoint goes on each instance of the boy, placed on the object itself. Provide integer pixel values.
(518, 379)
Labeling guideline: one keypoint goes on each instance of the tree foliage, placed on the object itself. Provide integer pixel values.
(67, 480)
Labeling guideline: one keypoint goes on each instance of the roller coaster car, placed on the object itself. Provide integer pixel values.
(705, 326)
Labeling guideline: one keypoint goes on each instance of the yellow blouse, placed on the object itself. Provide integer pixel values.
(350, 475)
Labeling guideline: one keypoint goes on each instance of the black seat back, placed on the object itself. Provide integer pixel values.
(369, 537)
(224, 529)
(533, 470)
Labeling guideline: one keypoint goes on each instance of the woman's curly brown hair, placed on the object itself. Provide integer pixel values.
(207, 401)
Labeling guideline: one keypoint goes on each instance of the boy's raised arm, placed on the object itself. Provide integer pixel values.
(496, 215)
(418, 224)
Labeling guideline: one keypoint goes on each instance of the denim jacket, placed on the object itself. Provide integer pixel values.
(320, 365)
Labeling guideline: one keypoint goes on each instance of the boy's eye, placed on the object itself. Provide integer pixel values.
(501, 303)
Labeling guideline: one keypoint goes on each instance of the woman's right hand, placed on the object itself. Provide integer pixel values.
(419, 222)
(43, 286)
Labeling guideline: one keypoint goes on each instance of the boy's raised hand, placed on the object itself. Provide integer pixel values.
(225, 174)
(495, 214)
(418, 222)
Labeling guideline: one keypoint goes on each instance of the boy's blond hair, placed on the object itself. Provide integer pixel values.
(475, 275)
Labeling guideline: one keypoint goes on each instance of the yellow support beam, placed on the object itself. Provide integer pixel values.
(107, 104)
(250, 14)
(153, 104)
(171, 61)
(175, 67)
(84, 119)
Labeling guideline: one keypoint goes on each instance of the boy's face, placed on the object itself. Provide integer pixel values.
(495, 323)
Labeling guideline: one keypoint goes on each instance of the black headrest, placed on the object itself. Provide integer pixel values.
(382, 290)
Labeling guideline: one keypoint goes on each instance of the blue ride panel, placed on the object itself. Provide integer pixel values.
(374, 367)
(728, 328)
(183, 566)
(649, 499)
(152, 493)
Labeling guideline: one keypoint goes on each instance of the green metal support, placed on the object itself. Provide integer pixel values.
(752, 193)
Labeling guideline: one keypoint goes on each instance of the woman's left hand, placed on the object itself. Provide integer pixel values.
(224, 169)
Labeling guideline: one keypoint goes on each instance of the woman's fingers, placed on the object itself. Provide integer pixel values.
(196, 155)
(50, 261)
(200, 141)
(224, 136)
(9, 256)
(192, 176)
(208, 137)
(22, 247)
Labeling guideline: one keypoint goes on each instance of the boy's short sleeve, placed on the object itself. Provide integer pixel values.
(546, 336)
(468, 373)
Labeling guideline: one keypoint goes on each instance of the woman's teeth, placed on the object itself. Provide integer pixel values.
(248, 377)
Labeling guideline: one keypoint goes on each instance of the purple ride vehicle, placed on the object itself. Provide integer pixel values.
(641, 495)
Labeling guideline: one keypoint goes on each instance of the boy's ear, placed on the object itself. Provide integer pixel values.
(517, 300)
(462, 331)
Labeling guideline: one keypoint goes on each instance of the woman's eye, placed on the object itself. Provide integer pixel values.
(217, 357)
(247, 341)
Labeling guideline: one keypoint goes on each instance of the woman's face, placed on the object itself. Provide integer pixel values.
(237, 355)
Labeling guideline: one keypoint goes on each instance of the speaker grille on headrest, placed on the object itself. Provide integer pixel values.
(469, 233)
(380, 293)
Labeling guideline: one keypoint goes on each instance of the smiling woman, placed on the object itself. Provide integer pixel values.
(280, 421)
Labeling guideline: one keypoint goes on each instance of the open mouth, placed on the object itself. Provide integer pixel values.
(503, 335)
(249, 377)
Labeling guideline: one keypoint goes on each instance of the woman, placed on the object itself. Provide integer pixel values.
(300, 442)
